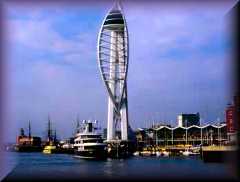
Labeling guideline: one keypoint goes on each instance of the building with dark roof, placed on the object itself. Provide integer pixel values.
(186, 120)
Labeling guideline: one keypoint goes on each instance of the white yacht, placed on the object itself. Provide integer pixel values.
(88, 143)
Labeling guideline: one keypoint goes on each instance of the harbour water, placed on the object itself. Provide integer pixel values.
(39, 166)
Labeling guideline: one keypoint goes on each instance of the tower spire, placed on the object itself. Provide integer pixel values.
(117, 5)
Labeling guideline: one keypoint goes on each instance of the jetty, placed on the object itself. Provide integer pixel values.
(218, 153)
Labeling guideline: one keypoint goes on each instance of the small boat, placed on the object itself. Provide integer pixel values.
(146, 153)
(49, 149)
(190, 153)
(153, 153)
(158, 153)
(186, 153)
(165, 153)
(136, 153)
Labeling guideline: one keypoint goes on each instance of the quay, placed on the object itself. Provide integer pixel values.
(219, 153)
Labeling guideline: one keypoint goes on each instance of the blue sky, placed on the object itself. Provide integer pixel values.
(180, 60)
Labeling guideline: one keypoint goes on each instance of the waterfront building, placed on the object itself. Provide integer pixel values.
(192, 135)
(144, 137)
(186, 120)
(113, 63)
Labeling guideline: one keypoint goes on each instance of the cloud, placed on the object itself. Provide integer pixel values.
(184, 31)
(40, 35)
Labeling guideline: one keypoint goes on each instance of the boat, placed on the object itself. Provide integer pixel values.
(165, 153)
(146, 153)
(136, 153)
(158, 153)
(89, 144)
(66, 146)
(53, 148)
(27, 143)
(49, 149)
(26, 148)
(188, 152)
(52, 145)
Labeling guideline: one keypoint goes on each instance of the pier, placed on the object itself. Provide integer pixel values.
(219, 153)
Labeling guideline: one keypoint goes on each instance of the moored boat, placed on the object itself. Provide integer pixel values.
(186, 153)
(136, 153)
(27, 143)
(190, 152)
(146, 153)
(165, 153)
(49, 149)
(89, 144)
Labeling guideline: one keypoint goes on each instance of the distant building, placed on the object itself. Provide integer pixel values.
(186, 120)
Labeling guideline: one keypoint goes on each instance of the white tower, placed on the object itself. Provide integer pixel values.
(113, 64)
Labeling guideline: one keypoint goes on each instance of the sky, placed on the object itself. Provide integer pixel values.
(180, 62)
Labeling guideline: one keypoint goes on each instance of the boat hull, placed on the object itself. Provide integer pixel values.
(28, 148)
(93, 154)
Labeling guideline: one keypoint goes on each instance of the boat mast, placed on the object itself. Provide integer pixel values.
(29, 130)
(49, 129)
(55, 136)
(78, 125)
(22, 132)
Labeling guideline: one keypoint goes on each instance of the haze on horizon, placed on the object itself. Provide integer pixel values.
(180, 62)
